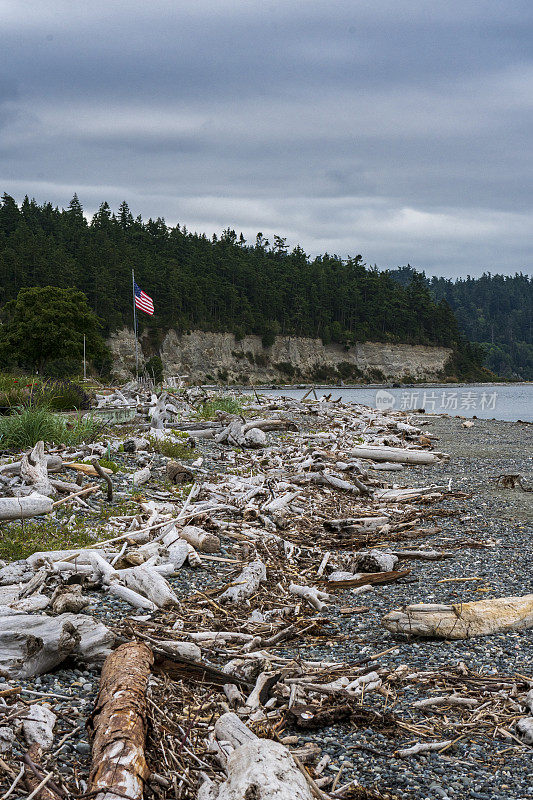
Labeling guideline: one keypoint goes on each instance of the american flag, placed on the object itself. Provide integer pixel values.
(143, 301)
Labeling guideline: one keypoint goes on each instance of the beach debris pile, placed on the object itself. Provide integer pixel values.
(228, 564)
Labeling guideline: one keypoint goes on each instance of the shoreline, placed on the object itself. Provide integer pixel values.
(485, 529)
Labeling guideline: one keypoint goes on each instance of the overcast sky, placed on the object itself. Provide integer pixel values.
(398, 129)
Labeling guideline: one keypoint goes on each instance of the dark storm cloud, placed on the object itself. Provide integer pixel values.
(400, 130)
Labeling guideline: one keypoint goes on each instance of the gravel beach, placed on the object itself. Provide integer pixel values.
(493, 527)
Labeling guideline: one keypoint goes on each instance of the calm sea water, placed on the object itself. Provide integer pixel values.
(503, 401)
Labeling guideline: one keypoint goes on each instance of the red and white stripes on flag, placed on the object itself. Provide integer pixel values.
(143, 301)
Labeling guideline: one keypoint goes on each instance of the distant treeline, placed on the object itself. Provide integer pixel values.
(495, 310)
(220, 283)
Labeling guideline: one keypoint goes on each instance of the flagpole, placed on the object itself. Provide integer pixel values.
(84, 361)
(135, 328)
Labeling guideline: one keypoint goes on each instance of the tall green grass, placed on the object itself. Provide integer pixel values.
(28, 426)
(209, 408)
(57, 395)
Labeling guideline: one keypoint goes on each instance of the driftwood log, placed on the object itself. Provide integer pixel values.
(246, 583)
(118, 724)
(398, 455)
(463, 620)
(32, 505)
(257, 768)
(33, 644)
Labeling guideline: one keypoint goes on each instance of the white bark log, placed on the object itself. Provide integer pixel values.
(178, 552)
(38, 726)
(246, 583)
(463, 620)
(53, 464)
(200, 539)
(397, 455)
(258, 768)
(129, 596)
(103, 571)
(235, 698)
(149, 582)
(24, 507)
(268, 425)
(32, 644)
(187, 650)
(313, 596)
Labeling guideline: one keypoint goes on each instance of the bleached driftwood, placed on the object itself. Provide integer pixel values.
(34, 470)
(423, 747)
(232, 434)
(199, 539)
(463, 620)
(53, 464)
(38, 726)
(246, 583)
(446, 700)
(397, 455)
(129, 596)
(68, 598)
(146, 580)
(118, 725)
(255, 438)
(269, 425)
(313, 596)
(356, 524)
(524, 728)
(374, 561)
(178, 551)
(258, 768)
(32, 505)
(33, 644)
(187, 650)
(141, 476)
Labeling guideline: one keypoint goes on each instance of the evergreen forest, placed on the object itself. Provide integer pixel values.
(495, 311)
(226, 283)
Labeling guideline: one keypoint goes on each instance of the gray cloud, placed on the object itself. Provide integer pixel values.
(397, 130)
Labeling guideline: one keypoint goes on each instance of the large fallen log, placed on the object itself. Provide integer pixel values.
(398, 455)
(463, 620)
(33, 644)
(53, 464)
(24, 507)
(257, 768)
(118, 724)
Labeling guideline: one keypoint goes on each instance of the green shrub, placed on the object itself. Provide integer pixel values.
(62, 396)
(219, 403)
(27, 426)
(347, 370)
(176, 450)
(287, 368)
(61, 368)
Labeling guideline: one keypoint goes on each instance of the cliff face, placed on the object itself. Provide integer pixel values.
(206, 357)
